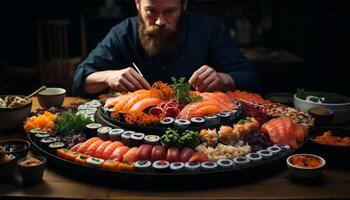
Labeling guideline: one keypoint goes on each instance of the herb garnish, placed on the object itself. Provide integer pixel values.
(182, 90)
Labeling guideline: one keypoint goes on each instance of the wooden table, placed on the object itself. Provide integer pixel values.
(335, 183)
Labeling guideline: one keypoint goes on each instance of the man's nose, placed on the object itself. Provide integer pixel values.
(160, 20)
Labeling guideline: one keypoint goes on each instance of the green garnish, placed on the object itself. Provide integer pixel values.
(182, 90)
(243, 121)
(172, 138)
(68, 123)
(302, 94)
(190, 139)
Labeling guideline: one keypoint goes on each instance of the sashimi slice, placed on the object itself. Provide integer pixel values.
(82, 149)
(111, 147)
(131, 155)
(93, 147)
(145, 103)
(76, 147)
(101, 149)
(118, 153)
(300, 132)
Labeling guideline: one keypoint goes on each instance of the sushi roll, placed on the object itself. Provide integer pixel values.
(192, 166)
(115, 134)
(167, 122)
(91, 111)
(197, 121)
(94, 103)
(44, 143)
(136, 139)
(161, 166)
(275, 149)
(254, 157)
(285, 149)
(62, 152)
(71, 155)
(91, 129)
(35, 131)
(241, 162)
(95, 162)
(177, 166)
(225, 163)
(151, 139)
(265, 154)
(53, 147)
(82, 107)
(143, 166)
(40, 135)
(81, 159)
(211, 120)
(126, 166)
(110, 165)
(182, 123)
(125, 137)
(224, 116)
(208, 166)
(103, 131)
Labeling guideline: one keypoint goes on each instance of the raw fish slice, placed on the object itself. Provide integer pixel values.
(132, 101)
(206, 110)
(223, 99)
(198, 157)
(93, 147)
(300, 132)
(110, 103)
(82, 149)
(145, 103)
(119, 106)
(131, 155)
(101, 149)
(111, 147)
(76, 147)
(118, 153)
(188, 111)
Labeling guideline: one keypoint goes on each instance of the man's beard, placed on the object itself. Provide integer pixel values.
(157, 39)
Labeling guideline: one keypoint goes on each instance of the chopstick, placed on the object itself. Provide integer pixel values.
(137, 69)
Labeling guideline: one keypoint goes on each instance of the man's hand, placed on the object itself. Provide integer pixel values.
(207, 79)
(126, 80)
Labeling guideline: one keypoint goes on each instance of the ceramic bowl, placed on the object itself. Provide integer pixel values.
(14, 117)
(17, 147)
(306, 172)
(32, 174)
(51, 97)
(339, 104)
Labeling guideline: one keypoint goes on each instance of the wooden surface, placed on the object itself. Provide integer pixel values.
(335, 183)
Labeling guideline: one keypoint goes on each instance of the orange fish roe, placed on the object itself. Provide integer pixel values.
(44, 122)
(162, 91)
(328, 138)
(247, 96)
(305, 161)
(141, 118)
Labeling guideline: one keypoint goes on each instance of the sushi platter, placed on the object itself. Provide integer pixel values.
(213, 134)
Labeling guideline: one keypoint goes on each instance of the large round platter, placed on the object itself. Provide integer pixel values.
(252, 171)
(103, 118)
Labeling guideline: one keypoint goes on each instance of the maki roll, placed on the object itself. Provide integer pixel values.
(233, 115)
(115, 134)
(91, 129)
(254, 157)
(126, 166)
(90, 111)
(81, 159)
(95, 162)
(161, 166)
(208, 166)
(275, 149)
(110, 165)
(152, 139)
(44, 143)
(125, 137)
(285, 149)
(53, 147)
(177, 166)
(192, 166)
(103, 132)
(182, 123)
(82, 107)
(241, 162)
(136, 139)
(167, 122)
(41, 134)
(224, 116)
(211, 120)
(225, 163)
(197, 121)
(143, 166)
(265, 154)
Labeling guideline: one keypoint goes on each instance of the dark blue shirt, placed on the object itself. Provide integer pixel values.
(203, 41)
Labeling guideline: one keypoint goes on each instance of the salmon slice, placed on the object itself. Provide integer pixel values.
(198, 157)
(101, 149)
(93, 147)
(110, 148)
(191, 109)
(82, 149)
(132, 101)
(110, 103)
(118, 153)
(76, 147)
(221, 98)
(119, 106)
(300, 132)
(131, 155)
(145, 103)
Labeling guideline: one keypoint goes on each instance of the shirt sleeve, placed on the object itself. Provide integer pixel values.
(228, 58)
(105, 56)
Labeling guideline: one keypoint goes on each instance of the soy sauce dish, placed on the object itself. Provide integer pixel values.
(306, 165)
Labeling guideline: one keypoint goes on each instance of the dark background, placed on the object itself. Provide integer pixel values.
(314, 31)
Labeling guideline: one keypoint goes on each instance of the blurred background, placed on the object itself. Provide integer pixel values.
(293, 43)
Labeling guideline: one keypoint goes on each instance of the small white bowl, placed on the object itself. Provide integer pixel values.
(306, 172)
(51, 97)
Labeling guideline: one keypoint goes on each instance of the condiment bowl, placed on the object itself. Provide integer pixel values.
(31, 173)
(51, 97)
(17, 147)
(306, 165)
(13, 117)
(323, 116)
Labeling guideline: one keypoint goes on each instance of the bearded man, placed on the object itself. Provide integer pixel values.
(165, 41)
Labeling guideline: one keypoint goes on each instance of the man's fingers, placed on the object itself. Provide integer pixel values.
(141, 81)
(194, 78)
(127, 84)
(213, 86)
(205, 83)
